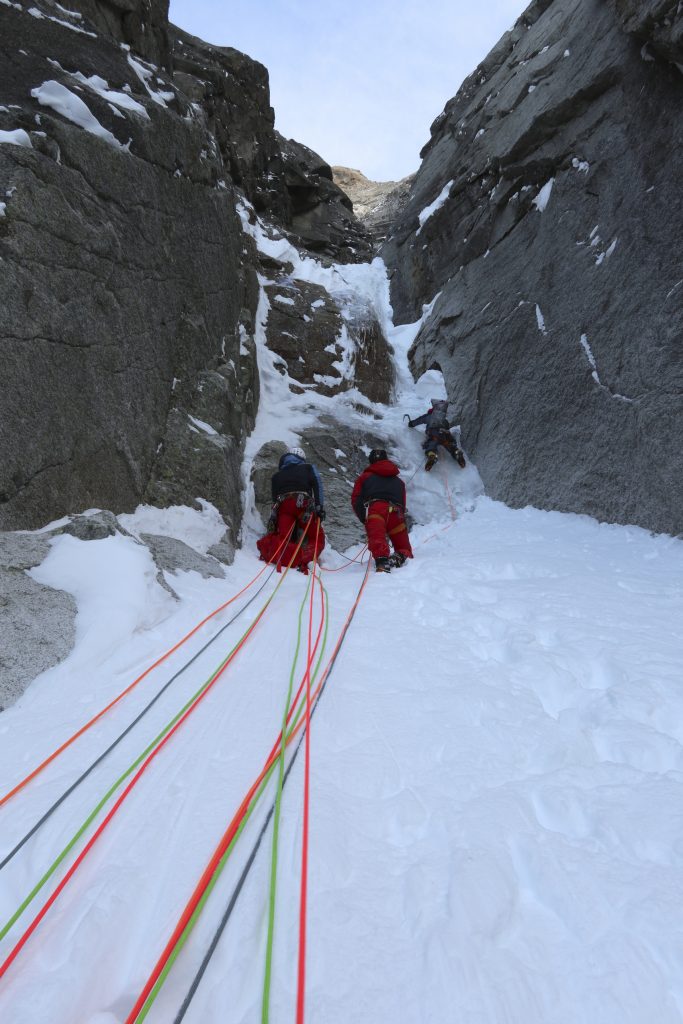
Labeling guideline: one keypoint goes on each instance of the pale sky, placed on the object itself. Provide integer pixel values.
(358, 82)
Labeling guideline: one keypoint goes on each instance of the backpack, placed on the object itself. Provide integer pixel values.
(437, 417)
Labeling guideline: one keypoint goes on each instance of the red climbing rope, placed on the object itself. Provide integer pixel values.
(88, 725)
(349, 561)
(243, 809)
(304, 848)
(234, 825)
(230, 832)
(311, 699)
(443, 529)
(93, 839)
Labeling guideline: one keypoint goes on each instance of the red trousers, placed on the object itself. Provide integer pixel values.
(385, 522)
(290, 515)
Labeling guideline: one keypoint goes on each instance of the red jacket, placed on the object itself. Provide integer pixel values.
(379, 482)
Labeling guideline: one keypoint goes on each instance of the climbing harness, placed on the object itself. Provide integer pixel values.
(303, 501)
(395, 530)
(393, 507)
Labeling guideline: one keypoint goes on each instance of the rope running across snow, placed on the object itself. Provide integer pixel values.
(315, 698)
(265, 1002)
(222, 852)
(81, 778)
(305, 833)
(88, 725)
(349, 561)
(143, 760)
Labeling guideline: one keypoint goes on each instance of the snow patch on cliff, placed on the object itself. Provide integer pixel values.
(430, 210)
(56, 96)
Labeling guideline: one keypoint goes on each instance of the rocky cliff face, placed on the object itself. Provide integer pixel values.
(544, 226)
(542, 229)
(128, 288)
(657, 23)
(123, 277)
(377, 204)
(140, 24)
(284, 180)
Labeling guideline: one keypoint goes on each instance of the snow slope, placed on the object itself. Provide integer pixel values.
(497, 788)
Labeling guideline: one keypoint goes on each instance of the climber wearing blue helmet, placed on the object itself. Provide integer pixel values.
(298, 500)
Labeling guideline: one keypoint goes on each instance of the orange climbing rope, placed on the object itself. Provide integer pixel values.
(100, 714)
(349, 561)
(229, 835)
(139, 1007)
(149, 756)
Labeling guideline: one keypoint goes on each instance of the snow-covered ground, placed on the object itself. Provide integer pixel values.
(497, 769)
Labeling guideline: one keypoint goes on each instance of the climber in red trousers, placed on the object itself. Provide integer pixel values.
(379, 501)
(295, 534)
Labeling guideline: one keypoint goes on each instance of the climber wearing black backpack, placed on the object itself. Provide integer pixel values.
(438, 431)
(295, 534)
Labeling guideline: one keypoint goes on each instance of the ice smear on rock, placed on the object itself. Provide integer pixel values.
(543, 197)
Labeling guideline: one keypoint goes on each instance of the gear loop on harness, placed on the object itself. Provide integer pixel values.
(303, 501)
(391, 506)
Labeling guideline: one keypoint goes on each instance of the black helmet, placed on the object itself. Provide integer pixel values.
(377, 455)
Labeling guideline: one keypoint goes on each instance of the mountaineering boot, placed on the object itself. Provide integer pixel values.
(431, 460)
(397, 560)
(382, 565)
(459, 457)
